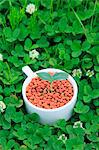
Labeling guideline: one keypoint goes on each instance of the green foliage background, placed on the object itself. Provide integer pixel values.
(66, 34)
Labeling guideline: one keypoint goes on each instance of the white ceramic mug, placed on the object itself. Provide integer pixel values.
(49, 116)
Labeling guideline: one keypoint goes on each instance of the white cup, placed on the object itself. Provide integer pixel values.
(49, 116)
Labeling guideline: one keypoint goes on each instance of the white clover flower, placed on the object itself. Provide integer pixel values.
(1, 57)
(90, 73)
(77, 72)
(31, 8)
(33, 54)
(74, 72)
(62, 137)
(2, 106)
(78, 124)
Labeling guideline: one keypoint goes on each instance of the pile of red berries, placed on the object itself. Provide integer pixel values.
(40, 93)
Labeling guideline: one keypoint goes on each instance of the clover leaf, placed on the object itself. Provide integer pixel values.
(51, 78)
(81, 108)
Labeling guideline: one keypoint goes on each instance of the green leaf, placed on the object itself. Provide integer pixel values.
(9, 114)
(16, 33)
(45, 76)
(53, 61)
(48, 28)
(7, 32)
(34, 28)
(23, 32)
(95, 93)
(21, 134)
(23, 147)
(93, 137)
(61, 47)
(75, 3)
(75, 46)
(32, 117)
(62, 24)
(69, 129)
(97, 76)
(96, 68)
(27, 59)
(86, 45)
(56, 76)
(57, 39)
(10, 144)
(28, 44)
(81, 108)
(3, 143)
(46, 3)
(97, 57)
(87, 99)
(87, 89)
(60, 76)
(19, 52)
(96, 102)
(6, 125)
(14, 59)
(42, 43)
(87, 65)
(88, 117)
(94, 50)
(45, 132)
(61, 124)
(13, 101)
(34, 46)
(77, 28)
(18, 117)
(11, 35)
(15, 16)
(87, 13)
(76, 54)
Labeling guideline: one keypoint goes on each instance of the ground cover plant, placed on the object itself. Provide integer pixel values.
(61, 34)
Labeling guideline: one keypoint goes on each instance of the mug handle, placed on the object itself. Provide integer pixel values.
(27, 70)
